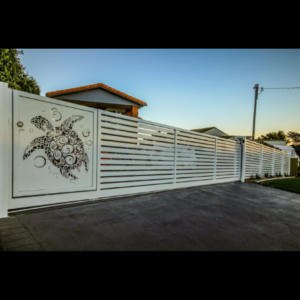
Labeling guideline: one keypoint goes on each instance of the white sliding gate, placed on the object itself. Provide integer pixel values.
(138, 156)
(54, 152)
(260, 159)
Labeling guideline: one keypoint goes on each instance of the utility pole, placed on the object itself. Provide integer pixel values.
(255, 99)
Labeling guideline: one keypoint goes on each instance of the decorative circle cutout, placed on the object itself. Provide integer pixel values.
(86, 132)
(56, 115)
(41, 161)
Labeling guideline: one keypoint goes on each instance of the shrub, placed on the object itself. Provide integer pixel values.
(252, 177)
(267, 175)
(257, 176)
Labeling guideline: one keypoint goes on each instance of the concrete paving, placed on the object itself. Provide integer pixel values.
(225, 217)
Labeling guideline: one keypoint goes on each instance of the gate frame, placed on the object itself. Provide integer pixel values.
(4, 136)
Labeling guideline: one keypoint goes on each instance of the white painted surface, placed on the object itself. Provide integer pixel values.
(138, 155)
(30, 177)
(127, 155)
(4, 123)
(261, 159)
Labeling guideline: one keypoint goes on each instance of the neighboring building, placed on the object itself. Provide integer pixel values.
(217, 132)
(101, 96)
(281, 144)
(276, 142)
(212, 131)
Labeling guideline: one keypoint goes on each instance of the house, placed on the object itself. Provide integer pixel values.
(212, 131)
(281, 144)
(100, 96)
(217, 132)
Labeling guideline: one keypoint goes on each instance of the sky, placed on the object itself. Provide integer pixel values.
(186, 88)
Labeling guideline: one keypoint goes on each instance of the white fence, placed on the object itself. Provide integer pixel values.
(138, 155)
(54, 152)
(260, 159)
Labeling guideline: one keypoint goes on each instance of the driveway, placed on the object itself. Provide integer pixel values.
(231, 216)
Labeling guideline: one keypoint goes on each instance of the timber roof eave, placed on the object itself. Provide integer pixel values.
(96, 86)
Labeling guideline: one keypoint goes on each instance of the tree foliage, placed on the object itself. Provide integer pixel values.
(295, 138)
(12, 72)
(280, 135)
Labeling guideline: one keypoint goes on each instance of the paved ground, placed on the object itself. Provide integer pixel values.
(231, 216)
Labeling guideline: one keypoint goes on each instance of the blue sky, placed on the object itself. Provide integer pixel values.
(187, 88)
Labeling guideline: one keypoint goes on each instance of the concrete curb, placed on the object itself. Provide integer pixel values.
(262, 180)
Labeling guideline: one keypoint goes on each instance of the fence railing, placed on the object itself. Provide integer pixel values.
(142, 155)
(261, 159)
(121, 155)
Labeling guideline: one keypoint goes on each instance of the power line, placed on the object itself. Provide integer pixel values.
(256, 86)
(281, 88)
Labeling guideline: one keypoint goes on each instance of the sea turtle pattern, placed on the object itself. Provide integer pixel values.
(61, 144)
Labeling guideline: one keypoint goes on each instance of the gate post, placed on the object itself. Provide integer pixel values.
(175, 156)
(3, 149)
(261, 160)
(273, 163)
(215, 161)
(282, 161)
(243, 159)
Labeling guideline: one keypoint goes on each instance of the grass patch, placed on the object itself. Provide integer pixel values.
(291, 184)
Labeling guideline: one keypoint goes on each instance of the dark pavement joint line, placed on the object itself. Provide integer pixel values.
(14, 236)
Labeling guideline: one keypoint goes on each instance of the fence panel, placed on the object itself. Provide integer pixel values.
(140, 156)
(261, 159)
(134, 154)
(54, 152)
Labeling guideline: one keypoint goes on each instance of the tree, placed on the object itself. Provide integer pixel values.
(295, 137)
(274, 136)
(12, 72)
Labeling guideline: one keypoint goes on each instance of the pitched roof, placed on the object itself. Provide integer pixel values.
(202, 130)
(94, 86)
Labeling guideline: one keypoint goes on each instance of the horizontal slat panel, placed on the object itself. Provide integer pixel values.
(134, 146)
(182, 134)
(135, 162)
(182, 148)
(118, 121)
(137, 183)
(133, 151)
(155, 128)
(193, 175)
(119, 127)
(103, 167)
(194, 179)
(133, 141)
(134, 173)
(191, 141)
(135, 178)
(195, 144)
(135, 157)
(134, 135)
